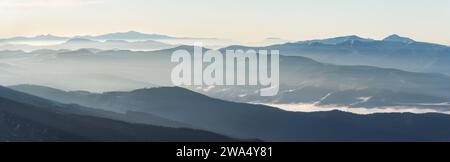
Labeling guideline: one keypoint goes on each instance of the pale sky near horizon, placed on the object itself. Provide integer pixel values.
(242, 20)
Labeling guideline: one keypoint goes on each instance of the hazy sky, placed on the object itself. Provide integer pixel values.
(246, 20)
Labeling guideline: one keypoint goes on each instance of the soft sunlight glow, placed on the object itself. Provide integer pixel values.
(247, 21)
(18, 4)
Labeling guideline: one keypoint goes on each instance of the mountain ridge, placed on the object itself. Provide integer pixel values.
(397, 38)
(24, 117)
(273, 124)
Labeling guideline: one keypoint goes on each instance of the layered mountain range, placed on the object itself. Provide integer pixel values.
(248, 121)
(302, 80)
(392, 52)
(131, 40)
(110, 80)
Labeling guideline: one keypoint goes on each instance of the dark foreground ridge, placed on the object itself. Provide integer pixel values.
(31, 119)
(249, 121)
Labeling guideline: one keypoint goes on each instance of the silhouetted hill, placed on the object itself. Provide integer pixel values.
(250, 121)
(27, 118)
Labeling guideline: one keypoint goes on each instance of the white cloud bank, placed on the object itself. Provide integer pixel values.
(364, 111)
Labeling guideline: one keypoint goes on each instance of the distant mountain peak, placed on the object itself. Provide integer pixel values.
(128, 32)
(134, 32)
(46, 35)
(273, 38)
(79, 40)
(131, 35)
(397, 38)
(338, 40)
(351, 37)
